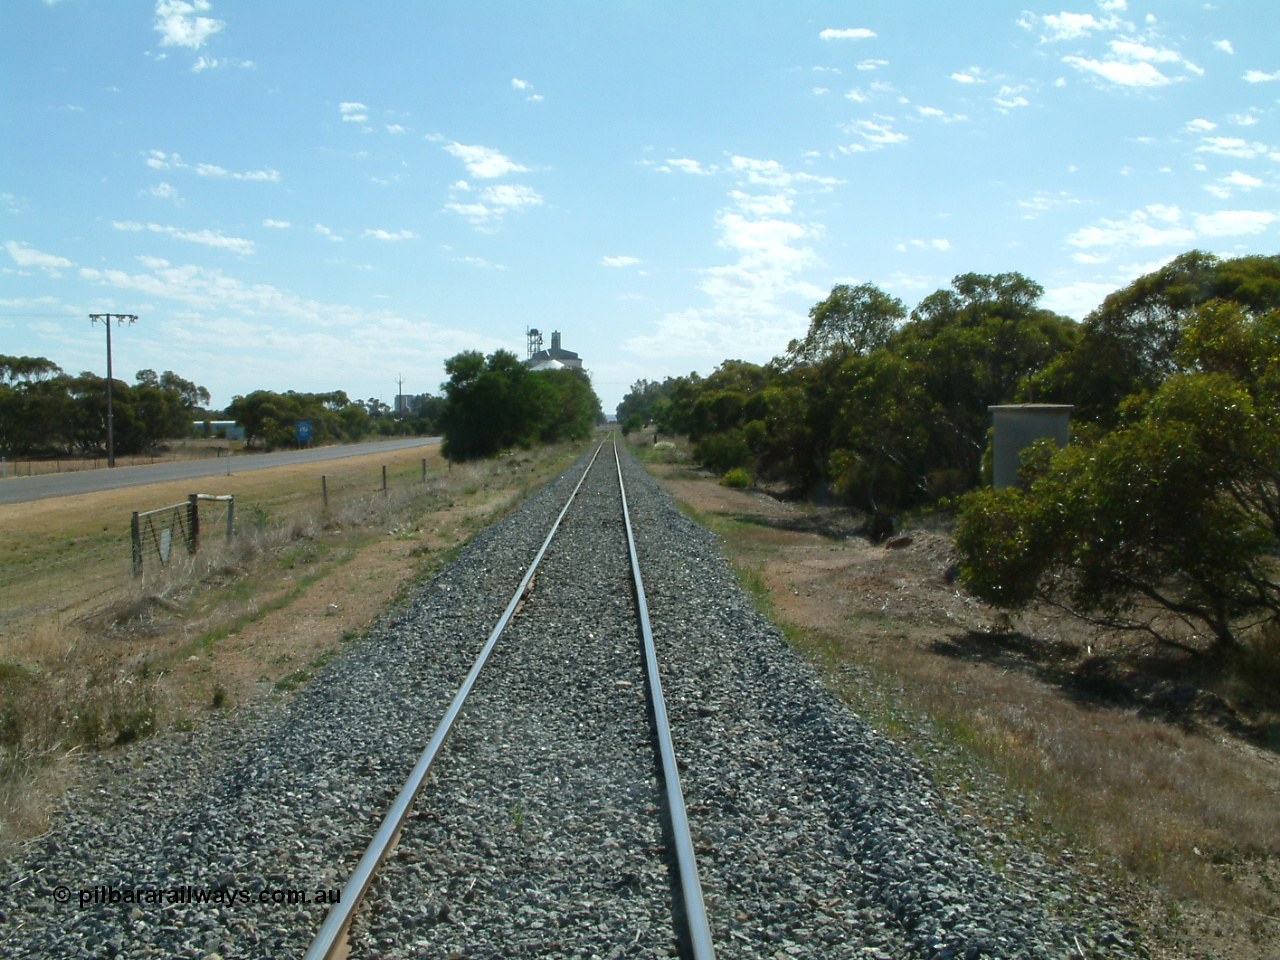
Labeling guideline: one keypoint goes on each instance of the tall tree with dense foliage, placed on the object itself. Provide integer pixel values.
(495, 403)
(851, 320)
(1169, 523)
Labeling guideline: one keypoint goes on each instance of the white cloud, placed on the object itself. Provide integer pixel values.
(1201, 126)
(819, 91)
(159, 160)
(1257, 76)
(620, 261)
(1231, 147)
(876, 135)
(209, 238)
(941, 244)
(872, 64)
(685, 165)
(324, 231)
(534, 99)
(480, 262)
(1234, 223)
(277, 224)
(518, 84)
(1010, 97)
(763, 204)
(1154, 225)
(1078, 299)
(494, 202)
(1238, 179)
(511, 196)
(25, 256)
(1161, 225)
(1068, 26)
(1130, 50)
(1224, 45)
(936, 114)
(749, 313)
(396, 128)
(475, 212)
(165, 191)
(337, 341)
(353, 111)
(387, 235)
(179, 26)
(972, 75)
(1140, 74)
(856, 33)
(484, 162)
(1043, 202)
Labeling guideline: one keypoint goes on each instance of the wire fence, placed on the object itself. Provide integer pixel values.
(163, 547)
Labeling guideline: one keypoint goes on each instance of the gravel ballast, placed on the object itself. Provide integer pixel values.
(538, 833)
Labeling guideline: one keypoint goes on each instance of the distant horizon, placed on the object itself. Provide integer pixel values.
(331, 197)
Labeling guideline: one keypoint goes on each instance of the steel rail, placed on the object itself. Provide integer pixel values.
(690, 887)
(332, 936)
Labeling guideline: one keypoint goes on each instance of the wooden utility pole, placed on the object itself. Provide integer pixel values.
(106, 318)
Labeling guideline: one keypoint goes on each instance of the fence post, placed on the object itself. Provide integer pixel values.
(231, 517)
(384, 478)
(135, 530)
(193, 522)
(324, 490)
(424, 469)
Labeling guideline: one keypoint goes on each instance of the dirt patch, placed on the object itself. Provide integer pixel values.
(1164, 791)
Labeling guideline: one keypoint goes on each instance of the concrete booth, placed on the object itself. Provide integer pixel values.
(1017, 426)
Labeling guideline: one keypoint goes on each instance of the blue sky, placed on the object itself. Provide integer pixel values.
(330, 195)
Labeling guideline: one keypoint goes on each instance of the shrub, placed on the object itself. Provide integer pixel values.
(723, 452)
(737, 478)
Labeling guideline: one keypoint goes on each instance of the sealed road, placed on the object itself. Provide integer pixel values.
(22, 489)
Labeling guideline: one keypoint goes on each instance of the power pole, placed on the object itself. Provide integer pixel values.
(399, 393)
(106, 319)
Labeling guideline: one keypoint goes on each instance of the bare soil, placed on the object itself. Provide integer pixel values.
(1160, 783)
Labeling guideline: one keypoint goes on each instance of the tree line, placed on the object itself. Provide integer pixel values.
(45, 412)
(489, 405)
(876, 407)
(1162, 515)
(270, 419)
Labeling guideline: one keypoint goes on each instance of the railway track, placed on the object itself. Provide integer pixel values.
(595, 772)
(540, 832)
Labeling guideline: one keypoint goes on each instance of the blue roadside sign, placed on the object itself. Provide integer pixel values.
(304, 431)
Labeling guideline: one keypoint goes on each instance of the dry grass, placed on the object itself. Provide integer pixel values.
(1179, 820)
(92, 658)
